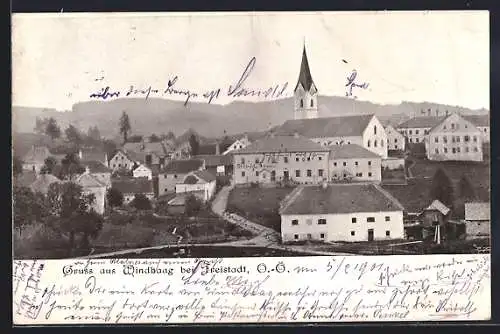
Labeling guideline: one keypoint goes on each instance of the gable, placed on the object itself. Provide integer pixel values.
(455, 123)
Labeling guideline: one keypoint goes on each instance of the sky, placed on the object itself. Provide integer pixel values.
(443, 57)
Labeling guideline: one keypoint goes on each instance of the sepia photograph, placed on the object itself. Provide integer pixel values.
(226, 135)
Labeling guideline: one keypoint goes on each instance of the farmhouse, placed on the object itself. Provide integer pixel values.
(417, 128)
(364, 130)
(341, 212)
(281, 158)
(121, 160)
(355, 163)
(174, 173)
(477, 219)
(454, 138)
(198, 181)
(395, 140)
(143, 171)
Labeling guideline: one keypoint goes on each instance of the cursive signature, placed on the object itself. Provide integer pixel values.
(209, 95)
(352, 84)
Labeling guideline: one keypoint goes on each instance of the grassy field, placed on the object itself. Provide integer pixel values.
(415, 195)
(259, 205)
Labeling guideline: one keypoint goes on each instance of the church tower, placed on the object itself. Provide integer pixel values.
(305, 94)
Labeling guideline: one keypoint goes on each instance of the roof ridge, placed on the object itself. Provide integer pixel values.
(388, 196)
(290, 197)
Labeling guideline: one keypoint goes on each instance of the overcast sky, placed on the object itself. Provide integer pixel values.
(404, 56)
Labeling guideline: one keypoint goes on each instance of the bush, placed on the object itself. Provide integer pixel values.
(193, 205)
(141, 202)
(116, 218)
(126, 236)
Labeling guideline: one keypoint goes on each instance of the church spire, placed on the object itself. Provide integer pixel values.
(305, 78)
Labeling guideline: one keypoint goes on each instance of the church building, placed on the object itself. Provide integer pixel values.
(305, 93)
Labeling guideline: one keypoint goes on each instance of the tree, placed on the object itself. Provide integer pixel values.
(73, 135)
(193, 205)
(114, 197)
(124, 126)
(93, 133)
(466, 190)
(72, 210)
(17, 166)
(170, 135)
(52, 129)
(134, 139)
(70, 166)
(195, 145)
(40, 125)
(49, 165)
(28, 207)
(154, 138)
(442, 188)
(141, 202)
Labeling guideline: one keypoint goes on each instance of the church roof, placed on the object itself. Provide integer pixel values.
(305, 78)
(340, 126)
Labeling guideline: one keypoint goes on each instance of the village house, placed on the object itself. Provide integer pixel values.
(433, 219)
(99, 171)
(200, 181)
(281, 158)
(130, 187)
(43, 182)
(217, 164)
(237, 145)
(341, 212)
(121, 160)
(363, 130)
(85, 155)
(143, 171)
(355, 163)
(477, 220)
(92, 185)
(174, 173)
(34, 160)
(482, 122)
(146, 152)
(395, 140)
(454, 138)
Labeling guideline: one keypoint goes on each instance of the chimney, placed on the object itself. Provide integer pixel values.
(80, 154)
(217, 148)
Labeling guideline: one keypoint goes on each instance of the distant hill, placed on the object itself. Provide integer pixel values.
(161, 115)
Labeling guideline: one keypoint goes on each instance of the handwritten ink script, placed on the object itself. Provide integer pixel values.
(313, 289)
(351, 83)
(173, 88)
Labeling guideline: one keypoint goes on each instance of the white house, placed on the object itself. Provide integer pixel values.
(477, 220)
(395, 140)
(174, 173)
(121, 160)
(281, 158)
(364, 130)
(341, 212)
(91, 185)
(202, 182)
(355, 163)
(482, 122)
(455, 138)
(143, 171)
(237, 145)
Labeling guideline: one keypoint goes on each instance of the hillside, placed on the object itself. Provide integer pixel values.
(211, 120)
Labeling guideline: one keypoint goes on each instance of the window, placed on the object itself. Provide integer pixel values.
(295, 222)
(458, 139)
(308, 158)
(395, 140)
(458, 149)
(321, 221)
(370, 219)
(353, 219)
(467, 149)
(445, 139)
(453, 150)
(369, 163)
(416, 132)
(345, 175)
(475, 139)
(475, 149)
(387, 218)
(256, 160)
(122, 157)
(296, 159)
(165, 190)
(296, 236)
(436, 139)
(344, 163)
(256, 173)
(309, 236)
(453, 125)
(375, 143)
(243, 174)
(297, 173)
(445, 150)
(387, 233)
(359, 174)
(353, 233)
(119, 165)
(426, 132)
(322, 236)
(374, 129)
(396, 147)
(243, 160)
(286, 159)
(411, 140)
(114, 166)
(368, 144)
(309, 173)
(320, 172)
(301, 103)
(410, 132)
(355, 163)
(416, 140)
(312, 103)
(444, 127)
(369, 174)
(335, 164)
(485, 130)
(437, 151)
(320, 158)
